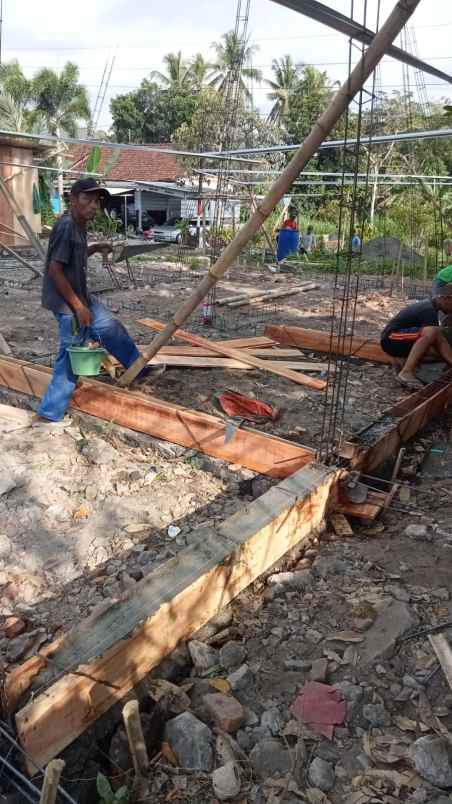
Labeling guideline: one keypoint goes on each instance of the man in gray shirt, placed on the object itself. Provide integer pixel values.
(65, 294)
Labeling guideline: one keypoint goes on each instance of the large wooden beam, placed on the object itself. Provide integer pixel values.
(238, 354)
(316, 341)
(261, 452)
(111, 652)
(382, 439)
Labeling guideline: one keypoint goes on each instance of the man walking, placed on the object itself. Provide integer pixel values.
(65, 294)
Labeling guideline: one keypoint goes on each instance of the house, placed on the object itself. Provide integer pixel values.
(17, 156)
(148, 185)
(142, 183)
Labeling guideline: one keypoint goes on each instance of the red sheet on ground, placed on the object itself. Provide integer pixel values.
(237, 405)
(321, 707)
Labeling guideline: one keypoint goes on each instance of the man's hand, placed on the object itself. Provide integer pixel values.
(101, 247)
(83, 315)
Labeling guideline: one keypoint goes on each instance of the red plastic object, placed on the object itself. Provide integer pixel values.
(321, 707)
(242, 407)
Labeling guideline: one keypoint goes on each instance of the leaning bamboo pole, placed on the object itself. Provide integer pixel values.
(324, 125)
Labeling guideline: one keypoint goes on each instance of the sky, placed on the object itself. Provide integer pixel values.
(140, 32)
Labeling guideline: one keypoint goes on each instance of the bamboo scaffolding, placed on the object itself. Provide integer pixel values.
(324, 125)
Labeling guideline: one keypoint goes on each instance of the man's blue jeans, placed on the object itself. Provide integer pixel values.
(105, 329)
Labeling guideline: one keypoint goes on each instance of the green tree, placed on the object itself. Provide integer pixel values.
(309, 99)
(232, 56)
(150, 113)
(283, 87)
(205, 130)
(199, 71)
(15, 98)
(62, 102)
(61, 99)
(178, 72)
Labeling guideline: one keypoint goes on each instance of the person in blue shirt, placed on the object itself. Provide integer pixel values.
(355, 242)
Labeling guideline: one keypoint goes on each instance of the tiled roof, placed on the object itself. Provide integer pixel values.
(131, 165)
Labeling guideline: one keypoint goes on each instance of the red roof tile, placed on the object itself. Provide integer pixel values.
(131, 165)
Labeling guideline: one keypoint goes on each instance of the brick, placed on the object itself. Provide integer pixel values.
(13, 627)
(225, 711)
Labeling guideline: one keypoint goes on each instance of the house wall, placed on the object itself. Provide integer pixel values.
(156, 202)
(21, 187)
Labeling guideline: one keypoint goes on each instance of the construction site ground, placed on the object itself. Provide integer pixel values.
(89, 510)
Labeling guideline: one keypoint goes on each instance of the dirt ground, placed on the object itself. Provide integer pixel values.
(91, 509)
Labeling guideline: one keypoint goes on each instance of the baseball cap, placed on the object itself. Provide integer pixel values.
(89, 185)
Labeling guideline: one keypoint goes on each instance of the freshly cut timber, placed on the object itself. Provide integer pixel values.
(238, 354)
(315, 341)
(103, 657)
(263, 453)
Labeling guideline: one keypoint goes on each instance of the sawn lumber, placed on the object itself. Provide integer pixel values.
(315, 341)
(261, 452)
(193, 361)
(110, 652)
(197, 351)
(237, 354)
(383, 438)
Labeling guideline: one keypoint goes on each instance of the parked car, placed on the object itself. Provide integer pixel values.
(173, 230)
(147, 221)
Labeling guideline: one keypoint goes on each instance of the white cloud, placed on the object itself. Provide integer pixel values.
(50, 32)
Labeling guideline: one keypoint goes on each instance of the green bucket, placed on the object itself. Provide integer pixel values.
(86, 362)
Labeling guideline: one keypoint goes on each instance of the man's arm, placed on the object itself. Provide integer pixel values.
(56, 272)
(101, 248)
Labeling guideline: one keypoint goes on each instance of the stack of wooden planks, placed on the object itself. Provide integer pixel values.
(218, 354)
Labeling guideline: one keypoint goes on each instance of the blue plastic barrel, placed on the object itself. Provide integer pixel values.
(288, 243)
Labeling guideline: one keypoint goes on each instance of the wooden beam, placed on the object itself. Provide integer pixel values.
(197, 351)
(315, 341)
(382, 439)
(193, 361)
(217, 346)
(261, 452)
(112, 651)
(443, 652)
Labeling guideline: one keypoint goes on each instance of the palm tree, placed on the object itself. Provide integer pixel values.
(199, 71)
(231, 57)
(12, 117)
(62, 102)
(286, 75)
(177, 72)
(15, 97)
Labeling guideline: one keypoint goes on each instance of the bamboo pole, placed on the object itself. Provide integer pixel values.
(13, 231)
(272, 294)
(326, 122)
(20, 259)
(137, 745)
(22, 219)
(51, 781)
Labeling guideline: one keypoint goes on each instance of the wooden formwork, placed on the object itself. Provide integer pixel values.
(101, 659)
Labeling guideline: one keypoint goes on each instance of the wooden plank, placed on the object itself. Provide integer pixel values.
(382, 439)
(112, 651)
(197, 351)
(443, 652)
(217, 346)
(341, 525)
(312, 339)
(229, 363)
(369, 509)
(201, 431)
(256, 342)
